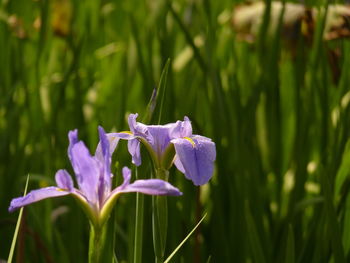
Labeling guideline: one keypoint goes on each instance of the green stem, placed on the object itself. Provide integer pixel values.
(96, 242)
(160, 219)
(138, 226)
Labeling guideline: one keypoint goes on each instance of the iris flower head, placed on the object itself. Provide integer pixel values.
(193, 155)
(93, 176)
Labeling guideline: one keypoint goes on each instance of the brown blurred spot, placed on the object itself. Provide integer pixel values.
(16, 26)
(61, 17)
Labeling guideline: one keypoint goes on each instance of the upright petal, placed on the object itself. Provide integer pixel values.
(73, 139)
(181, 129)
(35, 196)
(104, 187)
(64, 180)
(195, 156)
(139, 129)
(127, 176)
(87, 170)
(160, 137)
(113, 140)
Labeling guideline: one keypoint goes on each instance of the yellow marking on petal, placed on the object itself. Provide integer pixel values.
(60, 190)
(191, 141)
(127, 132)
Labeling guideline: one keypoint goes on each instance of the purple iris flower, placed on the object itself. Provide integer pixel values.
(194, 155)
(93, 176)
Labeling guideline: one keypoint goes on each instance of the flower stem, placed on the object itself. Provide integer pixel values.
(160, 219)
(138, 226)
(96, 242)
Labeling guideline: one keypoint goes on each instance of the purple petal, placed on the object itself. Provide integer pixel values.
(64, 180)
(134, 150)
(127, 176)
(87, 170)
(35, 196)
(73, 139)
(139, 129)
(181, 129)
(113, 140)
(133, 146)
(196, 156)
(105, 177)
(150, 187)
(160, 137)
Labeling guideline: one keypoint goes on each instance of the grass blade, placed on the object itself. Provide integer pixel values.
(13, 244)
(185, 239)
(290, 252)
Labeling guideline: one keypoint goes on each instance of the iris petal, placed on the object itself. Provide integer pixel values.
(150, 187)
(134, 150)
(87, 171)
(35, 196)
(195, 156)
(64, 180)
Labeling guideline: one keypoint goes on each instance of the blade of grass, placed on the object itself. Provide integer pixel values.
(253, 237)
(13, 244)
(159, 91)
(185, 239)
(290, 253)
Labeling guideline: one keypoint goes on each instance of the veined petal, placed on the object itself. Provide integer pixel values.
(195, 156)
(87, 171)
(35, 196)
(64, 180)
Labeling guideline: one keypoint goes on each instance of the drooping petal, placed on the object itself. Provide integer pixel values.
(87, 170)
(196, 156)
(35, 196)
(64, 180)
(134, 150)
(179, 165)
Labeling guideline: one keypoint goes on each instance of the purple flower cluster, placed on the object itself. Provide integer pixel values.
(193, 155)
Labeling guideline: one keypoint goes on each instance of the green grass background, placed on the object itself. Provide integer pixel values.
(279, 121)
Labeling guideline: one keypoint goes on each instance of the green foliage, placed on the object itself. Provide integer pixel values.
(278, 112)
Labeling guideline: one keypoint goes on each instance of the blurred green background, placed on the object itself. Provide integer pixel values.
(275, 101)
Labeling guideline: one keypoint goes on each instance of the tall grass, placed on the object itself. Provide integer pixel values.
(279, 120)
